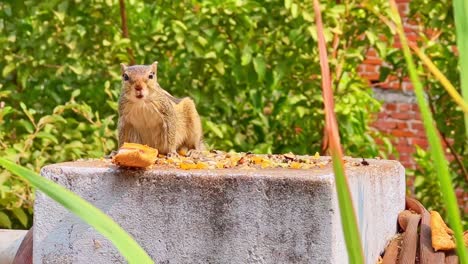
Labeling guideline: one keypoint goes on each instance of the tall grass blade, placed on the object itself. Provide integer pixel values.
(86, 211)
(348, 218)
(460, 9)
(437, 151)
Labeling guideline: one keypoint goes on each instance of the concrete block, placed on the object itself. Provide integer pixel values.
(219, 216)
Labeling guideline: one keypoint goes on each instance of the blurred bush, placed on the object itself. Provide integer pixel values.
(251, 66)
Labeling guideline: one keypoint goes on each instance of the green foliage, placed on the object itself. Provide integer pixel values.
(252, 68)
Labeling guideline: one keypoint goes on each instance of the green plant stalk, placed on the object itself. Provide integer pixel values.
(86, 211)
(348, 217)
(437, 152)
(460, 9)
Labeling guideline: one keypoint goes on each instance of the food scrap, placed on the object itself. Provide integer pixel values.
(142, 156)
(135, 155)
(216, 159)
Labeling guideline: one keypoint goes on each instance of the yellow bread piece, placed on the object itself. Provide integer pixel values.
(135, 155)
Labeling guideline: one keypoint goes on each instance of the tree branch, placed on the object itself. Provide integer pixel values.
(123, 17)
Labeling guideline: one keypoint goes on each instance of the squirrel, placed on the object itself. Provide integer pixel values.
(151, 116)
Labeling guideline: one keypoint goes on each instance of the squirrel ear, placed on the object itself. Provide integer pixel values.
(154, 67)
(123, 67)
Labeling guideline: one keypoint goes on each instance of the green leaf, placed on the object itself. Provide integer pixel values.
(202, 41)
(307, 16)
(210, 55)
(287, 3)
(260, 67)
(83, 209)
(21, 215)
(8, 69)
(48, 136)
(246, 56)
(214, 128)
(5, 220)
(76, 69)
(219, 67)
(371, 36)
(294, 10)
(60, 16)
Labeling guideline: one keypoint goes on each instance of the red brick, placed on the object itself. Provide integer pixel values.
(405, 156)
(417, 125)
(370, 76)
(403, 142)
(371, 53)
(361, 68)
(390, 106)
(420, 133)
(401, 125)
(404, 107)
(402, 133)
(407, 86)
(422, 142)
(382, 115)
(393, 78)
(372, 68)
(402, 115)
(373, 61)
(405, 149)
(415, 107)
(394, 85)
(388, 125)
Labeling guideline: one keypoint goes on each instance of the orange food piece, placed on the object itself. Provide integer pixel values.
(187, 166)
(295, 165)
(202, 165)
(135, 155)
(440, 233)
(257, 159)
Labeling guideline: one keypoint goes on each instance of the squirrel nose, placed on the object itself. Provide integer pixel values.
(138, 87)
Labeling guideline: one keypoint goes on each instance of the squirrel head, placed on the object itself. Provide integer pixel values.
(139, 81)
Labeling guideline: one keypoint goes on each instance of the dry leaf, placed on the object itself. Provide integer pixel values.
(441, 239)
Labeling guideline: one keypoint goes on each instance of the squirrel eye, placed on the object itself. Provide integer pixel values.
(150, 76)
(125, 76)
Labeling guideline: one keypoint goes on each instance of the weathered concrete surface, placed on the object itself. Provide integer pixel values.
(219, 216)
